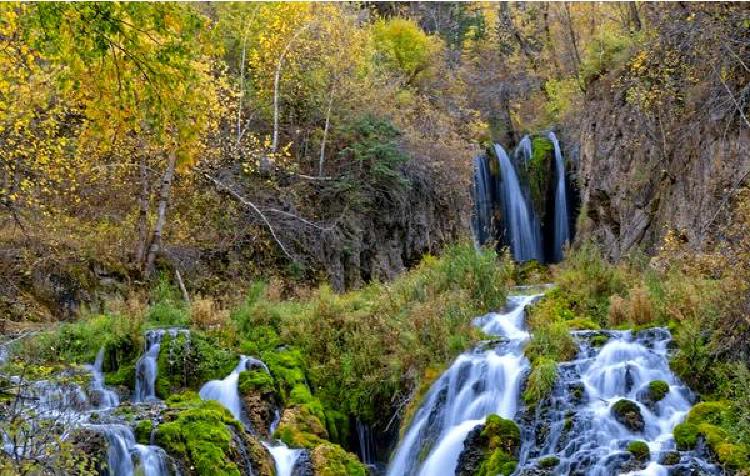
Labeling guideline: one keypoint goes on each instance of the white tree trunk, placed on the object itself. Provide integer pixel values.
(161, 215)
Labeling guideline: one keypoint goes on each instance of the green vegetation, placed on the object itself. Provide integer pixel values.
(538, 170)
(639, 450)
(201, 435)
(257, 380)
(657, 390)
(503, 442)
(541, 380)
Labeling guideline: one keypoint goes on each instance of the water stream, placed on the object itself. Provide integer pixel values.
(484, 381)
(562, 227)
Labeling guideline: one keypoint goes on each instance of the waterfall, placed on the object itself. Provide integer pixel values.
(562, 231)
(225, 391)
(366, 444)
(284, 458)
(482, 218)
(579, 427)
(146, 368)
(106, 398)
(126, 458)
(521, 222)
(479, 383)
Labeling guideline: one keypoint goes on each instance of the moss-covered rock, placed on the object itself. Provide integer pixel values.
(201, 438)
(287, 369)
(329, 459)
(628, 414)
(599, 340)
(670, 458)
(142, 431)
(490, 449)
(300, 427)
(547, 462)
(257, 390)
(685, 436)
(657, 390)
(639, 450)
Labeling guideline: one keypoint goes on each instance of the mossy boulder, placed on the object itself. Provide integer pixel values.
(639, 450)
(657, 390)
(547, 462)
(329, 459)
(628, 414)
(142, 431)
(201, 438)
(599, 340)
(300, 427)
(685, 436)
(490, 449)
(670, 458)
(287, 369)
(258, 397)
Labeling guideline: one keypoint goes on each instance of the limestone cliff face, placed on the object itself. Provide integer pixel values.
(641, 176)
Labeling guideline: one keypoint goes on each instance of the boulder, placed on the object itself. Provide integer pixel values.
(628, 414)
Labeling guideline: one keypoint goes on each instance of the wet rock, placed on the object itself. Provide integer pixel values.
(303, 466)
(472, 455)
(628, 414)
(92, 446)
(670, 458)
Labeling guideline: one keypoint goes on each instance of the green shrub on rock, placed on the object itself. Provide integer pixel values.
(639, 450)
(657, 390)
(541, 380)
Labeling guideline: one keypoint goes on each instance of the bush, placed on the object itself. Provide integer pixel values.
(639, 450)
(541, 380)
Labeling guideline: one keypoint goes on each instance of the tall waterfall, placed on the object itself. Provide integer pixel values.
(579, 427)
(479, 383)
(523, 227)
(562, 228)
(523, 203)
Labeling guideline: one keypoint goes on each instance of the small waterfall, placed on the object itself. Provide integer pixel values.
(284, 458)
(562, 228)
(479, 383)
(225, 391)
(366, 443)
(521, 222)
(106, 398)
(578, 426)
(126, 458)
(483, 209)
(146, 368)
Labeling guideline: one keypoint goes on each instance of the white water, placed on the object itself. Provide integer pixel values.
(146, 368)
(107, 398)
(562, 228)
(482, 218)
(479, 383)
(126, 458)
(521, 223)
(225, 391)
(595, 444)
(283, 457)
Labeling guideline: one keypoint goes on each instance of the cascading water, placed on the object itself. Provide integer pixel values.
(126, 458)
(562, 227)
(145, 368)
(523, 227)
(227, 394)
(578, 424)
(479, 383)
(482, 218)
(105, 398)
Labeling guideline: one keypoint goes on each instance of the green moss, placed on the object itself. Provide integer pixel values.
(497, 463)
(332, 460)
(255, 381)
(541, 380)
(709, 412)
(734, 456)
(538, 171)
(639, 450)
(582, 324)
(547, 462)
(124, 376)
(183, 399)
(143, 431)
(502, 433)
(685, 436)
(201, 436)
(599, 340)
(188, 361)
(657, 390)
(287, 368)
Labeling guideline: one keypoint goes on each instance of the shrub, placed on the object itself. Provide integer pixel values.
(553, 342)
(639, 450)
(541, 380)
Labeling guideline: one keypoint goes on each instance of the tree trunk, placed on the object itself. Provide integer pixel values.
(161, 216)
(635, 19)
(325, 134)
(143, 207)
